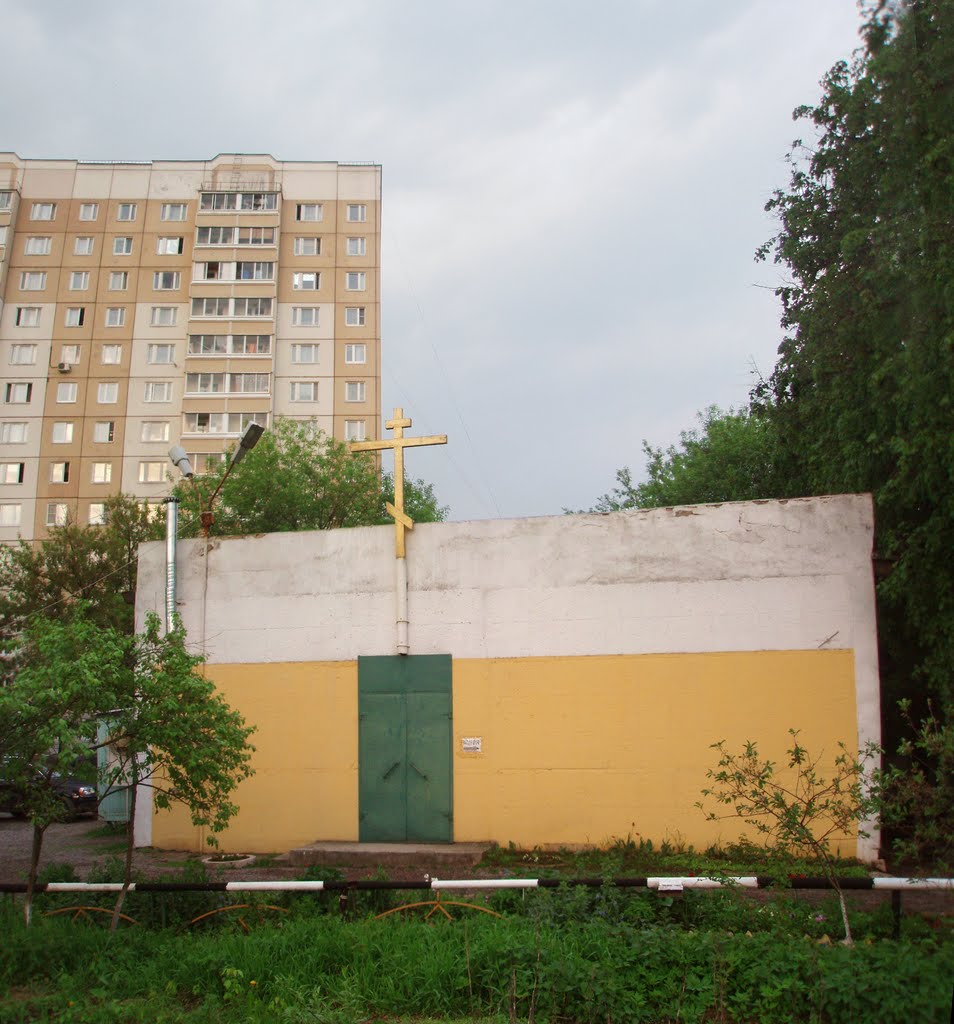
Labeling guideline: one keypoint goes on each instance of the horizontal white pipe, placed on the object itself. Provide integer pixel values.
(485, 883)
(661, 882)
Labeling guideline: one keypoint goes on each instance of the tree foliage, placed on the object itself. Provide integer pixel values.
(298, 478)
(92, 565)
(800, 810)
(70, 671)
(862, 395)
(731, 456)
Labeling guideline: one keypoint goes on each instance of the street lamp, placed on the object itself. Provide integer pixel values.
(180, 460)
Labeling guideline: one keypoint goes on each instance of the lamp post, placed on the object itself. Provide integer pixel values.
(180, 460)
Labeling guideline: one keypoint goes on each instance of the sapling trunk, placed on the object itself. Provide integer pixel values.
(130, 840)
(38, 831)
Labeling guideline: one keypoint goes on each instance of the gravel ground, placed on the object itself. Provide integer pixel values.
(88, 842)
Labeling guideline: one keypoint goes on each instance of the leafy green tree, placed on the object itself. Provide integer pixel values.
(862, 396)
(799, 811)
(93, 565)
(298, 478)
(71, 670)
(863, 392)
(731, 456)
(172, 732)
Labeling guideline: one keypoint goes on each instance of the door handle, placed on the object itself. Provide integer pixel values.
(391, 769)
(418, 770)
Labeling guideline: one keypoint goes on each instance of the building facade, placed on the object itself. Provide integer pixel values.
(566, 679)
(149, 304)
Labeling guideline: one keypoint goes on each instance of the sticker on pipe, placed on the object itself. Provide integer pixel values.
(471, 744)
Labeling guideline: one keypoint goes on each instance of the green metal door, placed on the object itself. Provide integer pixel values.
(405, 749)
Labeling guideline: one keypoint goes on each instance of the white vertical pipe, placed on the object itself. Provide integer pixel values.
(172, 531)
(403, 647)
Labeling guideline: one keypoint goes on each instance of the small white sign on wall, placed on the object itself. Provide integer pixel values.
(471, 744)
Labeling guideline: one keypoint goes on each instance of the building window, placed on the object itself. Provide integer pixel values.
(38, 245)
(13, 433)
(308, 212)
(152, 472)
(305, 316)
(304, 391)
(12, 472)
(157, 391)
(251, 344)
(18, 393)
(215, 236)
(10, 514)
(118, 280)
(154, 430)
(355, 430)
(62, 433)
(357, 246)
(89, 211)
(126, 212)
(97, 513)
(122, 246)
(43, 211)
(163, 316)
(208, 344)
(103, 431)
(307, 246)
(33, 280)
(70, 354)
(165, 280)
(306, 280)
(252, 307)
(210, 307)
(112, 355)
(254, 201)
(214, 270)
(254, 271)
(205, 383)
(161, 353)
(66, 392)
(57, 513)
(116, 316)
(22, 355)
(256, 236)
(173, 211)
(357, 212)
(355, 391)
(169, 246)
(107, 393)
(83, 246)
(75, 316)
(355, 280)
(102, 472)
(356, 353)
(304, 353)
(249, 383)
(28, 316)
(79, 280)
(59, 472)
(6, 199)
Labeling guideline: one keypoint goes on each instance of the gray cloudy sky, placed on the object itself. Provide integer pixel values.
(572, 195)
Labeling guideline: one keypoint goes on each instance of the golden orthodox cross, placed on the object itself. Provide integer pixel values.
(402, 521)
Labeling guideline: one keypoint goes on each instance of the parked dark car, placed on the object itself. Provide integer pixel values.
(76, 797)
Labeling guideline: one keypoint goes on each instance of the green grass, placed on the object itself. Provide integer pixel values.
(638, 857)
(323, 970)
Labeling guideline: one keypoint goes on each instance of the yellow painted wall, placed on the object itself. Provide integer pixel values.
(575, 750)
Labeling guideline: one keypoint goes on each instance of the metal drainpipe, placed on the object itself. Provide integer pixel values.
(172, 531)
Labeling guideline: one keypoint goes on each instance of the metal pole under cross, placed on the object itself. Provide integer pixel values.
(398, 443)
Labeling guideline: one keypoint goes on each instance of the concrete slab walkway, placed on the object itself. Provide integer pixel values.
(425, 857)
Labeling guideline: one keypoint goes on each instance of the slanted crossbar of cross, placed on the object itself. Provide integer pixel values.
(402, 521)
